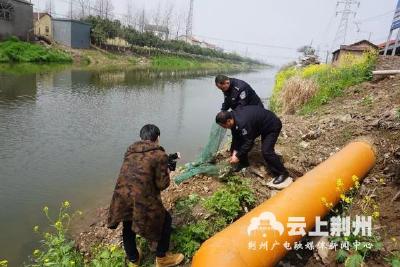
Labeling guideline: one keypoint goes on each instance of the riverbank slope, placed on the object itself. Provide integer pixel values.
(371, 109)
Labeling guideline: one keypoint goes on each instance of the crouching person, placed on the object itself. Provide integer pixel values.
(246, 124)
(137, 201)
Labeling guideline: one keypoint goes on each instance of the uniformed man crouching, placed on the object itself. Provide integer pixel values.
(247, 123)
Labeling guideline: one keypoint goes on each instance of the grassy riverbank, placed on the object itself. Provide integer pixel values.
(305, 89)
(15, 51)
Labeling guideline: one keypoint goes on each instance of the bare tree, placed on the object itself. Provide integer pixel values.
(178, 24)
(104, 8)
(156, 15)
(168, 15)
(83, 10)
(108, 9)
(129, 20)
(50, 7)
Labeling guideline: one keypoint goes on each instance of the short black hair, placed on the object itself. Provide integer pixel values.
(223, 117)
(149, 132)
(221, 79)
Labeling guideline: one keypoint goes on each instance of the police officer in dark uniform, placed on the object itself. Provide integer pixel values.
(247, 123)
(237, 93)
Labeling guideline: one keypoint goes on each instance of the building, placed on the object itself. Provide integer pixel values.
(356, 49)
(42, 24)
(72, 33)
(16, 19)
(161, 32)
(391, 45)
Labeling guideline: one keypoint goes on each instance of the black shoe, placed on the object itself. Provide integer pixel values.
(240, 167)
(280, 179)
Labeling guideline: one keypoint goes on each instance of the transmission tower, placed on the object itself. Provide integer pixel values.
(189, 23)
(349, 8)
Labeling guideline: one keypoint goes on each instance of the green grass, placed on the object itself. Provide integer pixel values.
(15, 51)
(181, 63)
(331, 81)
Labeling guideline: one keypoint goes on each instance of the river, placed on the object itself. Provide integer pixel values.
(63, 134)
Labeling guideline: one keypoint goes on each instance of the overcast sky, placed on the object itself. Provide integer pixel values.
(264, 23)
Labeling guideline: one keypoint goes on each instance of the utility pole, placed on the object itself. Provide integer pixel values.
(349, 8)
(189, 23)
(70, 6)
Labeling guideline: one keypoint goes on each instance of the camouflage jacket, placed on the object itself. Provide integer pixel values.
(144, 174)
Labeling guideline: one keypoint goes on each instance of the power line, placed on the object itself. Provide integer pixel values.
(377, 16)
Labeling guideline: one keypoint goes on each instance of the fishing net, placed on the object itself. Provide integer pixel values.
(203, 165)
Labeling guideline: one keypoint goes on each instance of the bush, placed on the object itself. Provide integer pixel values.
(13, 50)
(225, 206)
(331, 81)
(296, 92)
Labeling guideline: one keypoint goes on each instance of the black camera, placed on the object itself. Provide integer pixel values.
(172, 158)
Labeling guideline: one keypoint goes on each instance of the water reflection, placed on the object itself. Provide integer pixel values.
(13, 88)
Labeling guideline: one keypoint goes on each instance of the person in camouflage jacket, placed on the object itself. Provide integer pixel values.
(137, 201)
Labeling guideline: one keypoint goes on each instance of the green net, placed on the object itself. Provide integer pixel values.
(203, 164)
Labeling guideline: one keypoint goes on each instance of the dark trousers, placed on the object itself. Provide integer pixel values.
(268, 141)
(129, 239)
(273, 161)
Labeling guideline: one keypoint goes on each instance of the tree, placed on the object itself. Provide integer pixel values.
(50, 7)
(104, 8)
(83, 10)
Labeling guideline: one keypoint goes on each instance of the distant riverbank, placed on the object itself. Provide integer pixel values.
(14, 51)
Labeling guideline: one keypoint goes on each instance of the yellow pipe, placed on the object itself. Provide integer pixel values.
(233, 247)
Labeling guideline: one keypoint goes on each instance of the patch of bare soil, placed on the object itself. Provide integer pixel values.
(369, 109)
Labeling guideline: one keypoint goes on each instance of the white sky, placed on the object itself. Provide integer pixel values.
(286, 23)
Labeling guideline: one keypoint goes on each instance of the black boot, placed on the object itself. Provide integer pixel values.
(280, 179)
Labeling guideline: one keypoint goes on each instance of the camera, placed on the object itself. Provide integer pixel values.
(172, 158)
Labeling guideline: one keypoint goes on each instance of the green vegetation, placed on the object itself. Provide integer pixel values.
(367, 101)
(57, 249)
(111, 255)
(225, 205)
(331, 81)
(185, 63)
(398, 113)
(360, 247)
(15, 51)
(393, 260)
(104, 29)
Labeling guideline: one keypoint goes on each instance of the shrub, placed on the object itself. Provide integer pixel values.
(296, 92)
(331, 81)
(187, 239)
(13, 50)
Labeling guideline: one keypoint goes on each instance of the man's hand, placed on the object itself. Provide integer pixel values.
(234, 159)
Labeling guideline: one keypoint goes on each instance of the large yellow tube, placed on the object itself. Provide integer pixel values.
(230, 247)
